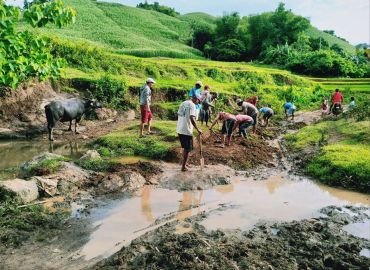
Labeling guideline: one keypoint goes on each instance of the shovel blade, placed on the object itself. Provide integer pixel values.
(202, 163)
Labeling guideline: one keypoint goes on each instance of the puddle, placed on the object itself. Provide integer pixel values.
(239, 205)
(14, 153)
(361, 229)
(365, 252)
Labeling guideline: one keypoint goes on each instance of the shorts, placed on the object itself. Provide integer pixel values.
(146, 115)
(291, 111)
(186, 142)
(243, 127)
(227, 127)
(267, 115)
(254, 119)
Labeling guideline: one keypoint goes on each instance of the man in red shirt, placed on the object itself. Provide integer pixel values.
(336, 98)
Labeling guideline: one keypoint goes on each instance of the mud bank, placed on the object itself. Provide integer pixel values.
(319, 243)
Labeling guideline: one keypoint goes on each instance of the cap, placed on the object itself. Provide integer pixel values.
(238, 101)
(150, 80)
(199, 83)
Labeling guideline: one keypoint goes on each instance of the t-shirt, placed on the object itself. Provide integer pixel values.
(337, 97)
(288, 106)
(226, 116)
(206, 102)
(145, 95)
(352, 104)
(266, 110)
(249, 109)
(184, 125)
(192, 92)
(243, 118)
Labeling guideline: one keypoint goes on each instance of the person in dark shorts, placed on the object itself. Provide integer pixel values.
(185, 124)
(267, 114)
(228, 120)
(249, 109)
(243, 122)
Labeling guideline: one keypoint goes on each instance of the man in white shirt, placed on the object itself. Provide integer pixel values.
(145, 100)
(185, 124)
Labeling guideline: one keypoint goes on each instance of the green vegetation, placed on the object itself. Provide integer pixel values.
(127, 30)
(20, 224)
(98, 164)
(343, 159)
(144, 33)
(45, 167)
(125, 142)
(159, 8)
(23, 55)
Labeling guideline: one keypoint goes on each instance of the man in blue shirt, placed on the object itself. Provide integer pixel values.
(267, 114)
(289, 109)
(193, 92)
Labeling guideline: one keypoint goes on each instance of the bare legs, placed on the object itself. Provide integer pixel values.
(184, 160)
(142, 126)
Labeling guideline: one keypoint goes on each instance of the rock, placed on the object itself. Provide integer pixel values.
(111, 183)
(130, 115)
(105, 113)
(90, 154)
(134, 180)
(36, 160)
(68, 180)
(128, 181)
(84, 137)
(49, 186)
(26, 191)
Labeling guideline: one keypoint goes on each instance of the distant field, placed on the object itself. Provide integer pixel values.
(360, 84)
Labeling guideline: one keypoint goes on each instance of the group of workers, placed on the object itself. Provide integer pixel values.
(336, 102)
(200, 106)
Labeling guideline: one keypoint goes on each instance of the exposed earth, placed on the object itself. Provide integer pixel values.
(244, 210)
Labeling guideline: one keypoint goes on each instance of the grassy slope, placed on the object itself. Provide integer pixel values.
(127, 29)
(344, 158)
(141, 32)
(316, 33)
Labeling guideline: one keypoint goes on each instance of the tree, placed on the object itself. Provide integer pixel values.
(227, 26)
(230, 50)
(22, 54)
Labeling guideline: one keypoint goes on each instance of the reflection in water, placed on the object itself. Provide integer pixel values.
(275, 199)
(14, 153)
(145, 204)
(361, 229)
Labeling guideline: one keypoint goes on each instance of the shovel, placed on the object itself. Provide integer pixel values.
(201, 152)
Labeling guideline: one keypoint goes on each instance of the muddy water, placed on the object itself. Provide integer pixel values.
(14, 153)
(242, 205)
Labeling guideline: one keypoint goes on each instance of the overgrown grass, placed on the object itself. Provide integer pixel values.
(343, 159)
(126, 142)
(20, 224)
(98, 164)
(45, 167)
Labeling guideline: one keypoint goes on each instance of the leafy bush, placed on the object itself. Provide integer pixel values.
(22, 54)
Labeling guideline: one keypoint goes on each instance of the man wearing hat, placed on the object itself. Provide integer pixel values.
(192, 92)
(145, 99)
(185, 124)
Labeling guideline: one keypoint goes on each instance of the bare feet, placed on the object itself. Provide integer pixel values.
(184, 169)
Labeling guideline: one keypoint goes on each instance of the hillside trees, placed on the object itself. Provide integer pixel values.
(22, 54)
(159, 8)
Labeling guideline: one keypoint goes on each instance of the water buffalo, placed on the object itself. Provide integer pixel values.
(67, 111)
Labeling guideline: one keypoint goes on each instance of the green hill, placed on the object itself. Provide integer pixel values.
(316, 33)
(143, 33)
(128, 30)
